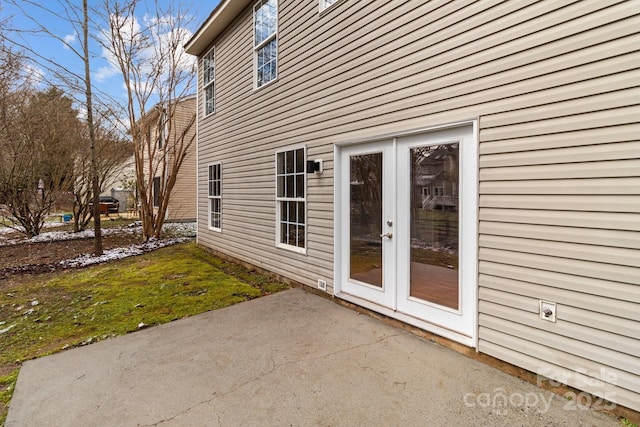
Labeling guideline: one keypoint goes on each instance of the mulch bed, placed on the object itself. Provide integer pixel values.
(44, 257)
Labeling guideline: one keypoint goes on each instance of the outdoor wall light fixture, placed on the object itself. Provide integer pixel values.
(314, 166)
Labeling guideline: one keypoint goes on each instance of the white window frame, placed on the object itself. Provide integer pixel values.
(282, 199)
(326, 4)
(209, 57)
(259, 46)
(214, 196)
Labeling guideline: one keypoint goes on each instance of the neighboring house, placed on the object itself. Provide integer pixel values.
(182, 203)
(521, 117)
(122, 185)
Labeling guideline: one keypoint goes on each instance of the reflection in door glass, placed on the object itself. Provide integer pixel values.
(434, 224)
(365, 213)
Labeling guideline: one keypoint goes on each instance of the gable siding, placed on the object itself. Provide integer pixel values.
(555, 86)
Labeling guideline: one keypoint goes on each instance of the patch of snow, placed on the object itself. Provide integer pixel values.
(18, 228)
(184, 229)
(120, 253)
(7, 329)
(86, 234)
(184, 232)
(187, 229)
(6, 230)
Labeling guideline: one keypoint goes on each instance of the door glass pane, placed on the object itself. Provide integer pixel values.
(365, 213)
(434, 224)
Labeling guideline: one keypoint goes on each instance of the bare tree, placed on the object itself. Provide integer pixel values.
(95, 182)
(157, 75)
(111, 154)
(78, 17)
(37, 161)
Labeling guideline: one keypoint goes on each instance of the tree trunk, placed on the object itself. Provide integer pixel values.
(97, 249)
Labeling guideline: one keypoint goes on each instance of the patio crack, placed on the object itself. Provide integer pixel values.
(271, 367)
(343, 350)
(166, 420)
(215, 395)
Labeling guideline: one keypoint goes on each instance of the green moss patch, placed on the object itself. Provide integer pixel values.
(57, 311)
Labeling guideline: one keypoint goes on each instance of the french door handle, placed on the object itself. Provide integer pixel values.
(387, 235)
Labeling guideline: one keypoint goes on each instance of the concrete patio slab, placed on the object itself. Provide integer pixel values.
(292, 358)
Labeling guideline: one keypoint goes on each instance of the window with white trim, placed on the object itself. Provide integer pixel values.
(291, 199)
(208, 82)
(156, 192)
(265, 42)
(326, 3)
(215, 196)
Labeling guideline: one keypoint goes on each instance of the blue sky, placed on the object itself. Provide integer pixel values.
(107, 82)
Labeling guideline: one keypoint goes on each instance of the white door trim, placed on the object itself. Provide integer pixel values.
(384, 295)
(464, 332)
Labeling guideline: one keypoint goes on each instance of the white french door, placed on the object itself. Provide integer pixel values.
(367, 217)
(407, 229)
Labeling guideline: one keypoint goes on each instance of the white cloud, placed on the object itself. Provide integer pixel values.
(168, 40)
(34, 76)
(105, 73)
(68, 40)
(129, 29)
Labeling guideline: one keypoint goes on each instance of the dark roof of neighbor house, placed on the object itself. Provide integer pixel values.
(218, 20)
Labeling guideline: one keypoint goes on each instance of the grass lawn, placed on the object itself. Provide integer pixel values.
(57, 311)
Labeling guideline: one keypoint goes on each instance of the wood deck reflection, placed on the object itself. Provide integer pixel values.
(438, 285)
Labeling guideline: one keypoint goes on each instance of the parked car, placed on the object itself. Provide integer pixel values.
(108, 205)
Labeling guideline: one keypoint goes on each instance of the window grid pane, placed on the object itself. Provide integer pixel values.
(209, 106)
(215, 196)
(290, 177)
(208, 82)
(208, 68)
(265, 22)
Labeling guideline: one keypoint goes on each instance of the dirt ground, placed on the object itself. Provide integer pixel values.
(42, 257)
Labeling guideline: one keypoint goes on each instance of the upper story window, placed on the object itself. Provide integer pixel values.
(265, 41)
(326, 3)
(208, 81)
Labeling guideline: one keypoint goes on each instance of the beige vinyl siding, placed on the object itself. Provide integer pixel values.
(556, 89)
(182, 205)
(319, 96)
(560, 221)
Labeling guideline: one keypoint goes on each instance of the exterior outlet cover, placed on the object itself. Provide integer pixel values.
(548, 311)
(322, 284)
